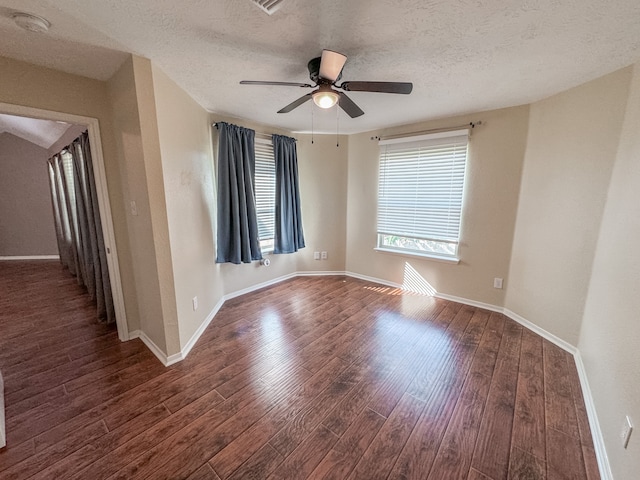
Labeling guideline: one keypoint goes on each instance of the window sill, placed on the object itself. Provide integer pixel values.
(426, 256)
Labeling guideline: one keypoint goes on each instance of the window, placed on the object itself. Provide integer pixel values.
(420, 188)
(265, 189)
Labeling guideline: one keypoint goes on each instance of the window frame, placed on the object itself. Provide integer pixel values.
(434, 169)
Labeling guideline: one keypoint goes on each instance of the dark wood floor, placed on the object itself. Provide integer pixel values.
(326, 377)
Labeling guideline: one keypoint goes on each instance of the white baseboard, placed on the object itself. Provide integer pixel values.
(258, 286)
(157, 351)
(472, 303)
(373, 279)
(601, 454)
(318, 273)
(198, 333)
(29, 257)
(598, 440)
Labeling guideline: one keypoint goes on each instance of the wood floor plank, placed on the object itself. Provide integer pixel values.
(307, 420)
(492, 449)
(203, 473)
(415, 359)
(258, 465)
(208, 435)
(445, 354)
(306, 456)
(279, 385)
(378, 460)
(395, 340)
(560, 408)
(590, 463)
(476, 475)
(284, 424)
(12, 454)
(529, 416)
(94, 449)
(524, 466)
(564, 456)
(417, 456)
(346, 453)
(453, 459)
(116, 457)
(44, 458)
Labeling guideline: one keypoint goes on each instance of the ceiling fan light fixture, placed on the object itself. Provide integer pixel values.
(325, 98)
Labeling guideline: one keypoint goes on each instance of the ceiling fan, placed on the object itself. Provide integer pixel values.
(325, 71)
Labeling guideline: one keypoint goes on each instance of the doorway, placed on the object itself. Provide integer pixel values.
(92, 126)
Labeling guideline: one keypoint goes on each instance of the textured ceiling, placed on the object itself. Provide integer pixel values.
(462, 56)
(43, 133)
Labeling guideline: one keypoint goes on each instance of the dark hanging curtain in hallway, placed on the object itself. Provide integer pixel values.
(77, 221)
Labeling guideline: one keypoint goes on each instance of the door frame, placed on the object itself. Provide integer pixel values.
(102, 191)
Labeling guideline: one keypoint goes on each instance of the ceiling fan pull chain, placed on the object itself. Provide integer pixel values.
(312, 109)
(337, 126)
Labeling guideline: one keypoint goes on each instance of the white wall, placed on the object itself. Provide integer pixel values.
(26, 215)
(610, 334)
(571, 147)
(496, 150)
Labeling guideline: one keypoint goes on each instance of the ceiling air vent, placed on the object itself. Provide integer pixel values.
(269, 6)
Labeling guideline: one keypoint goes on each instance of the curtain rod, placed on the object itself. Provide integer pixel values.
(424, 132)
(266, 136)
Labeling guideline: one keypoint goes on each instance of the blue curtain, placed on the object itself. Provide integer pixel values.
(237, 232)
(288, 237)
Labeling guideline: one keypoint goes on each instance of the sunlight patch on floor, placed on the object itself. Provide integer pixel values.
(414, 282)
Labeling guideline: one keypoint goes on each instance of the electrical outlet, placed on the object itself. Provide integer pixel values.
(627, 428)
(497, 282)
(323, 255)
(194, 302)
(316, 255)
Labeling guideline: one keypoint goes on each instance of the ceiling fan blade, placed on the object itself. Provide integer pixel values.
(283, 84)
(382, 87)
(331, 64)
(296, 103)
(349, 106)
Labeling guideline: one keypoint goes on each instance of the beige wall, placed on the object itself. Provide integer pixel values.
(496, 150)
(322, 167)
(571, 148)
(143, 292)
(185, 145)
(154, 177)
(26, 216)
(46, 89)
(610, 334)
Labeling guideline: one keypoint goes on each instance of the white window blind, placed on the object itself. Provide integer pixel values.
(421, 182)
(265, 192)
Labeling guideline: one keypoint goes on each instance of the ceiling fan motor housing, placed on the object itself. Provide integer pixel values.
(314, 72)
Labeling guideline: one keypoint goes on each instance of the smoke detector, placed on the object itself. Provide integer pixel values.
(32, 23)
(268, 6)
